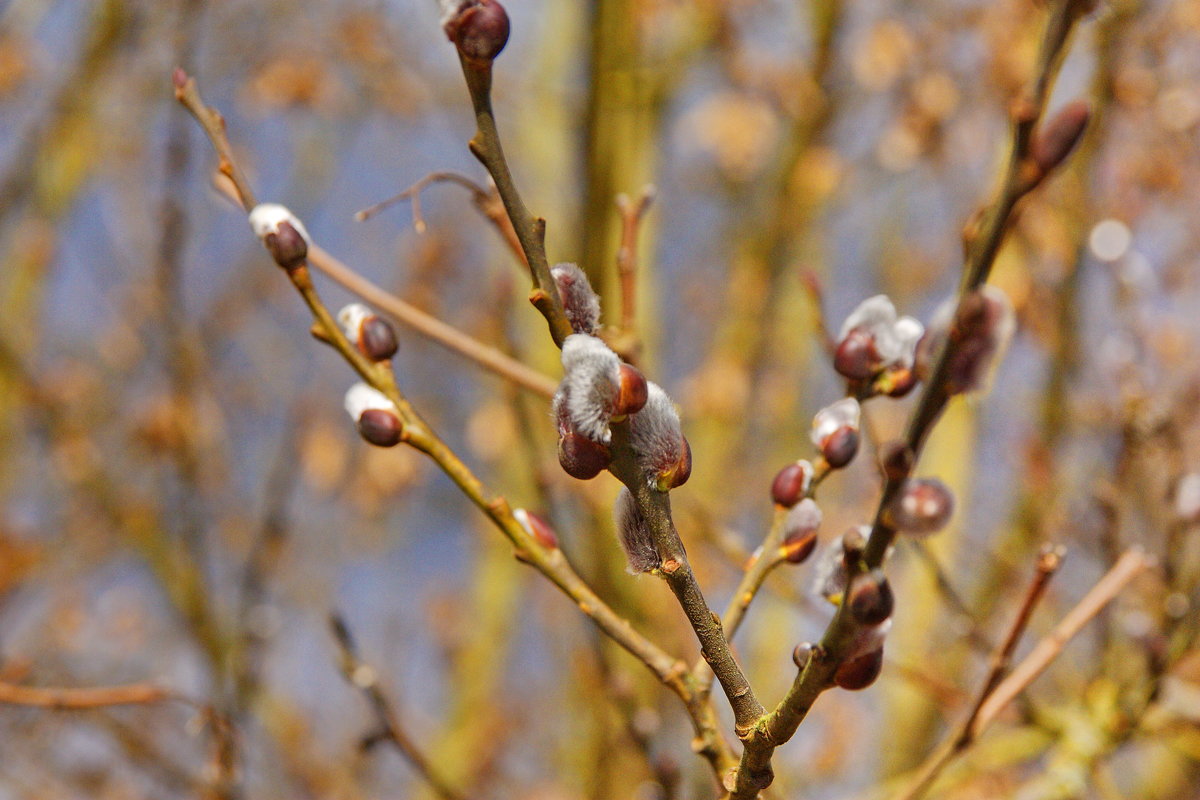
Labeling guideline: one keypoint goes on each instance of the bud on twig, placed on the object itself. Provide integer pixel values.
(632, 392)
(371, 334)
(870, 598)
(478, 28)
(590, 387)
(859, 672)
(831, 572)
(664, 455)
(800, 531)
(1057, 138)
(536, 527)
(791, 483)
(582, 458)
(633, 532)
(375, 415)
(801, 654)
(923, 506)
(835, 432)
(873, 339)
(580, 302)
(978, 329)
(281, 232)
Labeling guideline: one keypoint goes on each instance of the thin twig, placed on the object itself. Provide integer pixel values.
(363, 677)
(487, 201)
(432, 328)
(963, 735)
(632, 214)
(1131, 563)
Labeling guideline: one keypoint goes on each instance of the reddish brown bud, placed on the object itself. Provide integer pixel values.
(287, 246)
(896, 382)
(922, 507)
(799, 546)
(854, 542)
(179, 78)
(379, 427)
(870, 598)
(582, 458)
(791, 484)
(377, 339)
(537, 527)
(1057, 138)
(632, 392)
(860, 672)
(897, 460)
(856, 356)
(478, 28)
(683, 470)
(840, 447)
(801, 654)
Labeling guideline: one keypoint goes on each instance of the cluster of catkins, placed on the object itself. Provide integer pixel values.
(880, 353)
(598, 391)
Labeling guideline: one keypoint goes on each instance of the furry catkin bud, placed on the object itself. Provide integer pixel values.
(281, 232)
(856, 356)
(835, 431)
(374, 336)
(374, 415)
(590, 387)
(870, 598)
(922, 507)
(478, 28)
(859, 672)
(536, 527)
(873, 339)
(830, 572)
(791, 483)
(580, 302)
(977, 330)
(633, 531)
(663, 454)
(800, 531)
(1057, 138)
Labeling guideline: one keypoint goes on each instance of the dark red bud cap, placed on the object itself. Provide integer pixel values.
(801, 654)
(1057, 138)
(797, 547)
(683, 470)
(286, 246)
(479, 29)
(922, 507)
(791, 484)
(539, 528)
(379, 427)
(582, 458)
(861, 672)
(870, 598)
(856, 356)
(897, 460)
(632, 393)
(840, 447)
(377, 339)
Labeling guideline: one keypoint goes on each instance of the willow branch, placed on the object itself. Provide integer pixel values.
(531, 232)
(544, 557)
(964, 734)
(982, 242)
(432, 328)
(363, 677)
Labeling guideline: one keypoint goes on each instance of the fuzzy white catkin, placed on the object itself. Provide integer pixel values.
(265, 219)
(656, 434)
(842, 414)
(633, 532)
(803, 517)
(591, 382)
(895, 338)
(360, 397)
(580, 302)
(351, 319)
